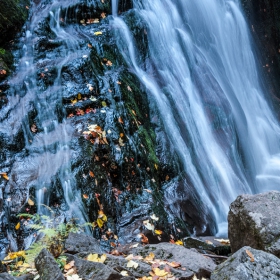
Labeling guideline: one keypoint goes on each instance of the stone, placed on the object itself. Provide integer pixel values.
(254, 221)
(193, 262)
(248, 264)
(93, 270)
(47, 267)
(78, 242)
(6, 276)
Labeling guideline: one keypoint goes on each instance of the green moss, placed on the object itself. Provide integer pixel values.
(13, 14)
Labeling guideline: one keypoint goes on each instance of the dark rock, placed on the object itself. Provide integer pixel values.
(242, 266)
(207, 243)
(2, 267)
(6, 276)
(94, 270)
(254, 221)
(78, 242)
(47, 267)
(194, 262)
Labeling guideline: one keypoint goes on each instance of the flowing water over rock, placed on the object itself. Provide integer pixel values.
(175, 90)
(201, 74)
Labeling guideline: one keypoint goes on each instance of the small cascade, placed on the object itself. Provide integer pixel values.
(200, 73)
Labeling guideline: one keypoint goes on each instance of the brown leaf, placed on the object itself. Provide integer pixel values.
(91, 174)
(250, 255)
(69, 265)
(85, 196)
(120, 120)
(5, 176)
(89, 45)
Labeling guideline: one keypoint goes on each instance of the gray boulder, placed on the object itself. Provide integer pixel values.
(254, 221)
(93, 270)
(6, 276)
(248, 264)
(193, 262)
(78, 242)
(47, 267)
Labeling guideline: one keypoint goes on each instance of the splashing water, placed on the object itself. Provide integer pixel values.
(201, 73)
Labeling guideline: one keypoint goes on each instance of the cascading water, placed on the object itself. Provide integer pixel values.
(201, 73)
(48, 151)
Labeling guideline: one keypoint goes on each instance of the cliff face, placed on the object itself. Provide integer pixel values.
(263, 18)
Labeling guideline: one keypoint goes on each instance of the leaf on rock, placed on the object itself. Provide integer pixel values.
(148, 225)
(223, 241)
(85, 196)
(154, 217)
(17, 227)
(159, 272)
(252, 259)
(91, 174)
(124, 273)
(5, 176)
(98, 33)
(69, 265)
(30, 202)
(132, 263)
(158, 232)
(179, 242)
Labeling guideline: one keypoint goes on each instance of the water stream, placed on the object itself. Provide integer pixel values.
(201, 74)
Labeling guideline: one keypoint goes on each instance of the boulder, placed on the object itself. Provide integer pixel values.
(254, 221)
(93, 270)
(78, 242)
(193, 262)
(6, 276)
(47, 267)
(248, 264)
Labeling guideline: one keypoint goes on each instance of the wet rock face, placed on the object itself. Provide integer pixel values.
(248, 264)
(70, 76)
(263, 18)
(254, 221)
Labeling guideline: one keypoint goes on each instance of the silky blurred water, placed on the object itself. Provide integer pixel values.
(201, 73)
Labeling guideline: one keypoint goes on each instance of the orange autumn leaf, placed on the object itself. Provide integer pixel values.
(85, 196)
(120, 120)
(5, 176)
(91, 174)
(252, 259)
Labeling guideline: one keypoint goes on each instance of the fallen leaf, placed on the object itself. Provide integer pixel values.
(89, 45)
(69, 265)
(98, 33)
(159, 272)
(148, 191)
(30, 202)
(150, 257)
(179, 242)
(223, 241)
(252, 259)
(103, 15)
(148, 225)
(85, 196)
(124, 273)
(120, 120)
(17, 227)
(132, 263)
(91, 174)
(103, 103)
(129, 88)
(5, 176)
(158, 232)
(154, 217)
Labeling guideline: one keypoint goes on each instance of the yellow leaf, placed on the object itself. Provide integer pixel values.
(103, 103)
(179, 242)
(73, 101)
(100, 223)
(15, 255)
(150, 257)
(69, 265)
(98, 33)
(17, 226)
(159, 272)
(30, 202)
(79, 96)
(103, 258)
(158, 232)
(92, 257)
(132, 263)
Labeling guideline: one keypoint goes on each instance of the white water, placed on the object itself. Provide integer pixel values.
(207, 88)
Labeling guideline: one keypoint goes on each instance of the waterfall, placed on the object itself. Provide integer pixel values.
(201, 74)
